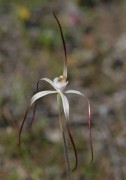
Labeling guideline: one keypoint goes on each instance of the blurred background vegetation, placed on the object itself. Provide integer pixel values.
(31, 48)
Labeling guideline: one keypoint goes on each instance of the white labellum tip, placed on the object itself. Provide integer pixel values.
(60, 83)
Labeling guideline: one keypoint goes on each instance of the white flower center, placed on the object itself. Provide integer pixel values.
(60, 82)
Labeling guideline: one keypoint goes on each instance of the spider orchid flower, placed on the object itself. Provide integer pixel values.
(59, 84)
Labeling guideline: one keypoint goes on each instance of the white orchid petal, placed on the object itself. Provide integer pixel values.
(40, 94)
(65, 105)
(49, 81)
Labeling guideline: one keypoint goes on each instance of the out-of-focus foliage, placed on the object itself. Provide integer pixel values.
(31, 48)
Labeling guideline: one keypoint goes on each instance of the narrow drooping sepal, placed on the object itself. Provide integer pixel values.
(22, 124)
(89, 117)
(64, 46)
(74, 147)
(33, 99)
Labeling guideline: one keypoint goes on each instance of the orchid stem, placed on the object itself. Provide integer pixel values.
(63, 135)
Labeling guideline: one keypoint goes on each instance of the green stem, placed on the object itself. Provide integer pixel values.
(63, 135)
